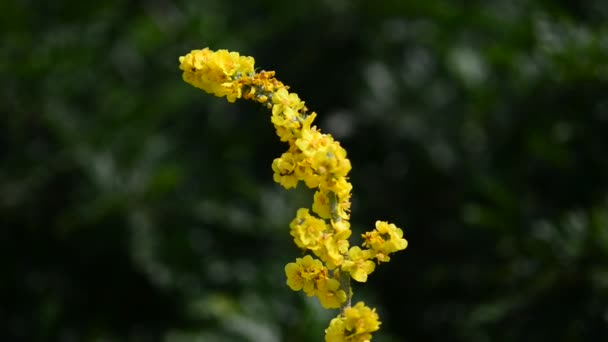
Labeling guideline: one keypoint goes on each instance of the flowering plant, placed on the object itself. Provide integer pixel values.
(318, 161)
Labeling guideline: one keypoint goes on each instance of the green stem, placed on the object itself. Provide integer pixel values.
(343, 276)
(345, 285)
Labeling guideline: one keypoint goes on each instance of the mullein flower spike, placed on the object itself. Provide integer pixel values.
(320, 162)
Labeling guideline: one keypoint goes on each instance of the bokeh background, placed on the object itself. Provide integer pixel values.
(134, 207)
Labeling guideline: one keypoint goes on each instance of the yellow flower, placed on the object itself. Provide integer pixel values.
(358, 264)
(308, 230)
(304, 274)
(284, 170)
(231, 63)
(288, 118)
(385, 239)
(355, 325)
(283, 100)
(337, 247)
(321, 205)
(306, 173)
(261, 86)
(332, 249)
(341, 187)
(313, 141)
(321, 163)
(216, 72)
(289, 115)
(341, 226)
(336, 331)
(329, 293)
(331, 161)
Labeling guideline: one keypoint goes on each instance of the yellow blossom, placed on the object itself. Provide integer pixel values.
(307, 174)
(321, 205)
(289, 127)
(355, 325)
(262, 85)
(284, 170)
(307, 230)
(216, 72)
(341, 226)
(332, 249)
(326, 208)
(329, 293)
(341, 231)
(319, 161)
(331, 161)
(287, 123)
(384, 240)
(304, 274)
(284, 100)
(358, 264)
(341, 187)
(313, 141)
(336, 331)
(289, 115)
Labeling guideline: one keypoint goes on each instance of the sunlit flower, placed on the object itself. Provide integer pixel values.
(216, 72)
(355, 325)
(284, 170)
(308, 230)
(321, 163)
(329, 293)
(358, 264)
(321, 204)
(384, 240)
(304, 274)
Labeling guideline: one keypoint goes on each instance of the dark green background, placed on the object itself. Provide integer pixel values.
(134, 207)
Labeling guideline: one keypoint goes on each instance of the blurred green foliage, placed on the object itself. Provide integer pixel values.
(133, 207)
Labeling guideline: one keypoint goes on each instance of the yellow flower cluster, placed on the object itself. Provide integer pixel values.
(355, 325)
(216, 72)
(318, 161)
(311, 276)
(384, 240)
